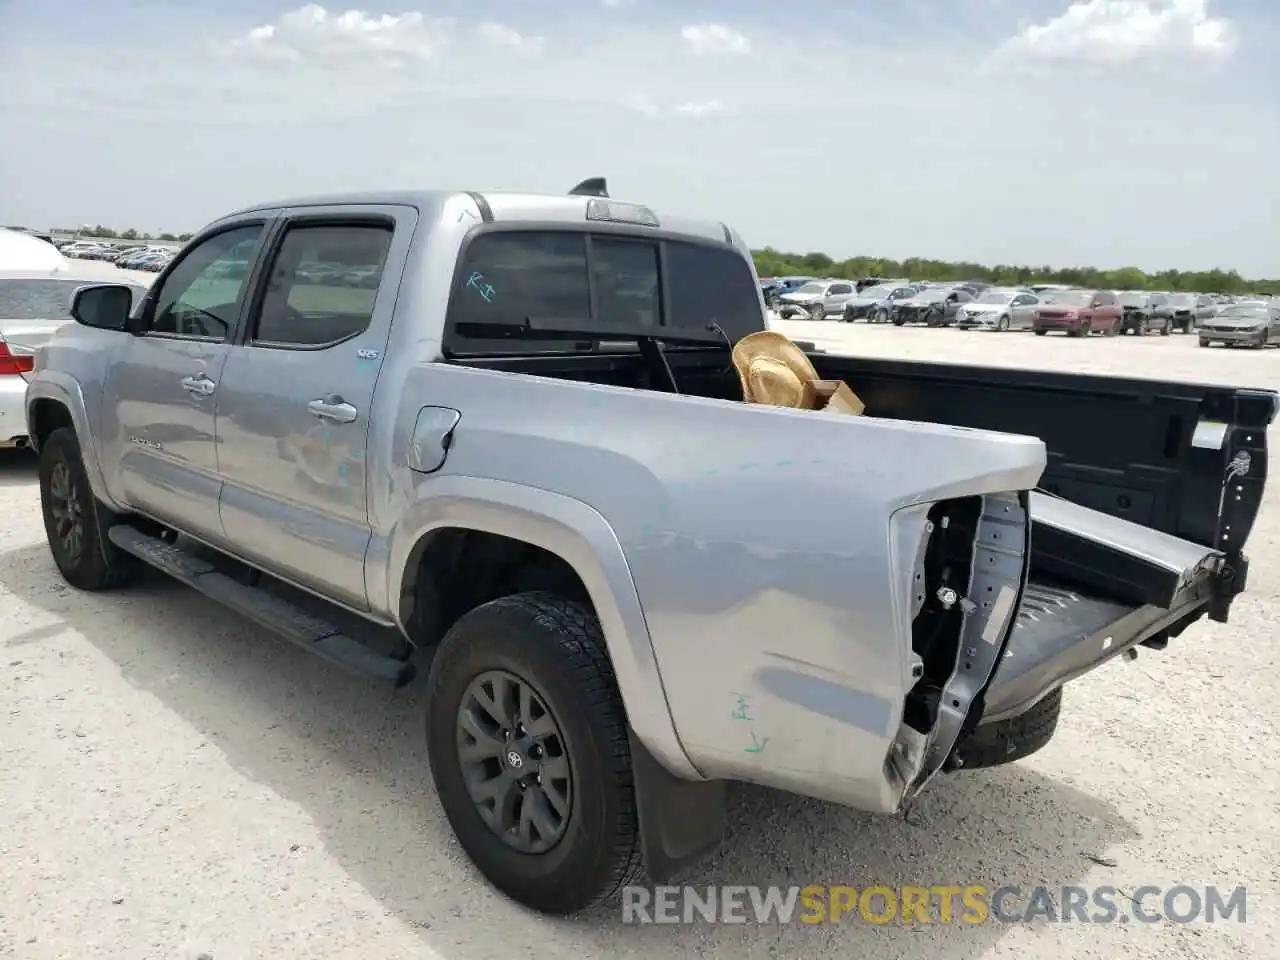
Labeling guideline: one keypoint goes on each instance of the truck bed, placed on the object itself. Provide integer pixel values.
(1182, 459)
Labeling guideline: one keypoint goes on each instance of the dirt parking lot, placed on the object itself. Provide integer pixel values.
(176, 783)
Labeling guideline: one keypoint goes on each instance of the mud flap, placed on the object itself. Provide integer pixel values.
(680, 820)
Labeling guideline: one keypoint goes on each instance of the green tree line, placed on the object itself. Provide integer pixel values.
(107, 233)
(776, 263)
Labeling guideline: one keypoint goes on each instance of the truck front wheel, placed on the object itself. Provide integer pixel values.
(529, 752)
(73, 519)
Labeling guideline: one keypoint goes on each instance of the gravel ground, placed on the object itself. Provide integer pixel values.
(177, 784)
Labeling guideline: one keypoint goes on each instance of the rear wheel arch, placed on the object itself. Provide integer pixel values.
(540, 539)
(452, 570)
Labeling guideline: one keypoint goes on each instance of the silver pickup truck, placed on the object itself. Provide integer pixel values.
(498, 435)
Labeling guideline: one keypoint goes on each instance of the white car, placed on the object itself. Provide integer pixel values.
(33, 304)
(999, 308)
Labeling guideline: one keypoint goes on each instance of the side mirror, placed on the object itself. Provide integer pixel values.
(104, 306)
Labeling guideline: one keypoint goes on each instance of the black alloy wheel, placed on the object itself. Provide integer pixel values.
(514, 761)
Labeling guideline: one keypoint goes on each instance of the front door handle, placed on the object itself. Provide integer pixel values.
(332, 408)
(200, 385)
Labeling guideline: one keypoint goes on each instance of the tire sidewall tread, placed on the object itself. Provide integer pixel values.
(102, 565)
(555, 645)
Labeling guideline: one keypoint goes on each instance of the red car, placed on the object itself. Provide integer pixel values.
(1079, 313)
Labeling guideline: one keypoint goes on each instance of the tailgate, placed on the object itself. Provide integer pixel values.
(1099, 586)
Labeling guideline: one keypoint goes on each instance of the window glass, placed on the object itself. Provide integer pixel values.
(839, 289)
(43, 299)
(508, 276)
(323, 283)
(625, 275)
(712, 285)
(199, 298)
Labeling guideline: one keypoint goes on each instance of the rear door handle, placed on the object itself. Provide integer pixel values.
(332, 408)
(200, 385)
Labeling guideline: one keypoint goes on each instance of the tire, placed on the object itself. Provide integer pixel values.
(1004, 742)
(74, 520)
(555, 648)
(880, 316)
(1003, 324)
(1204, 342)
(1040, 333)
(1164, 331)
(1263, 340)
(817, 312)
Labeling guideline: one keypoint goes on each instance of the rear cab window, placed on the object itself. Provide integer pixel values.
(44, 298)
(509, 275)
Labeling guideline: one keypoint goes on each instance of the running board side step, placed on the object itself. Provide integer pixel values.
(267, 610)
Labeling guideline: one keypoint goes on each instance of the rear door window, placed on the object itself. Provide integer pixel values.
(322, 284)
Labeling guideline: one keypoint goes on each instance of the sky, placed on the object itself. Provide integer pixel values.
(1101, 132)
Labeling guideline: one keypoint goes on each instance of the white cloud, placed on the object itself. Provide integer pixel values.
(708, 108)
(1101, 32)
(500, 35)
(689, 110)
(714, 39)
(313, 33)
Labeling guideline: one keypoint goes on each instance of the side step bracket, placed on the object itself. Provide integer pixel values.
(269, 611)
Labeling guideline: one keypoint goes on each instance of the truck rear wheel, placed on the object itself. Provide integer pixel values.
(73, 519)
(1009, 740)
(530, 755)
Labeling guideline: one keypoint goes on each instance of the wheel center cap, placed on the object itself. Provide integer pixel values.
(514, 760)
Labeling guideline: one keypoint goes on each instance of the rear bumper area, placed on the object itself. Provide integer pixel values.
(13, 412)
(1232, 336)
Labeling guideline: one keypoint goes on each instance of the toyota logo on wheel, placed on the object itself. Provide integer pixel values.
(515, 760)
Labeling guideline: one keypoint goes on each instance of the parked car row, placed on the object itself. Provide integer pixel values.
(1042, 309)
(139, 256)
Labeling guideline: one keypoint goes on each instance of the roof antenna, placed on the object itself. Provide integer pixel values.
(591, 187)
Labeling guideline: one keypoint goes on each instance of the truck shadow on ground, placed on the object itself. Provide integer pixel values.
(352, 756)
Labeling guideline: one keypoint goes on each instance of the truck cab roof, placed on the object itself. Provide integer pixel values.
(508, 206)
